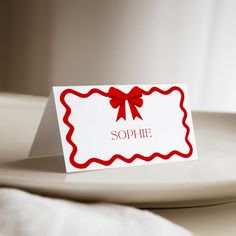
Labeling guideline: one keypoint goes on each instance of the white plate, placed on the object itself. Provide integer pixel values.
(210, 180)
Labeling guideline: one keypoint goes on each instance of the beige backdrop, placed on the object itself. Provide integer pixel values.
(58, 42)
(24, 45)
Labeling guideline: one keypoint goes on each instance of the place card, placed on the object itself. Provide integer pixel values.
(98, 127)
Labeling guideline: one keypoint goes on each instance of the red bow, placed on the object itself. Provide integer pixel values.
(118, 99)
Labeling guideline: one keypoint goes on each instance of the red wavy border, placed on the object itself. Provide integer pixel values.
(118, 156)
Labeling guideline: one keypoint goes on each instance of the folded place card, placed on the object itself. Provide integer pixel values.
(97, 127)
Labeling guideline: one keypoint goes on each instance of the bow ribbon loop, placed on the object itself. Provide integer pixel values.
(118, 98)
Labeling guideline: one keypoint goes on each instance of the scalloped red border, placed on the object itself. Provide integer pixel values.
(118, 156)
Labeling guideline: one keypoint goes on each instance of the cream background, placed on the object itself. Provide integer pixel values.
(118, 42)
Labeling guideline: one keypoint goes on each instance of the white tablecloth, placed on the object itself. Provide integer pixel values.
(25, 214)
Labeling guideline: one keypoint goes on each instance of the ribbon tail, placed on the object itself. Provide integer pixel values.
(121, 112)
(134, 111)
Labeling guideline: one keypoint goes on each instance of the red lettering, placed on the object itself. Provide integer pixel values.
(131, 134)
